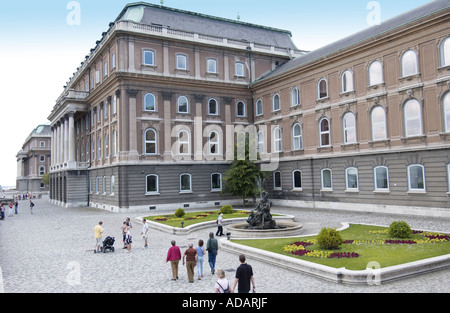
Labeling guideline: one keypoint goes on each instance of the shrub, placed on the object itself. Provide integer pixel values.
(226, 209)
(400, 229)
(179, 213)
(329, 239)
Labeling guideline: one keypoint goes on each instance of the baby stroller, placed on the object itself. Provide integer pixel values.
(108, 244)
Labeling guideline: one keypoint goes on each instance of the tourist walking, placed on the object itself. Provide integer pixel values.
(98, 232)
(124, 227)
(144, 233)
(31, 207)
(10, 210)
(174, 256)
(191, 259)
(2, 212)
(212, 246)
(222, 285)
(219, 231)
(200, 257)
(16, 205)
(128, 238)
(244, 275)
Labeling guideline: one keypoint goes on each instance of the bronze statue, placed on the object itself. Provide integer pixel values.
(261, 217)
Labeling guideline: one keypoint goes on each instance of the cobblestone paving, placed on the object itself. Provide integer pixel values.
(51, 251)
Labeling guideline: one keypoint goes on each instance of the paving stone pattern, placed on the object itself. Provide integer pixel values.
(51, 251)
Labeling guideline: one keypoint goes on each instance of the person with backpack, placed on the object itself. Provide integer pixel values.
(222, 285)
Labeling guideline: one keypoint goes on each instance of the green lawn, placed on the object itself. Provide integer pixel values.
(385, 254)
(195, 218)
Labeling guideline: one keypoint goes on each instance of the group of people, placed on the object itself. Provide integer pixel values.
(12, 205)
(191, 258)
(194, 258)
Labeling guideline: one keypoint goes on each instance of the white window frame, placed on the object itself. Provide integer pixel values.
(375, 176)
(146, 141)
(114, 143)
(104, 185)
(378, 124)
(178, 104)
(215, 104)
(373, 75)
(259, 107)
(326, 132)
(408, 119)
(444, 52)
(99, 148)
(220, 181)
(347, 82)
(112, 184)
(182, 62)
(410, 188)
(239, 69)
(144, 57)
(277, 139)
(260, 142)
(347, 180)
(151, 96)
(294, 187)
(155, 192)
(297, 140)
(181, 142)
(276, 103)
(446, 111)
(244, 108)
(211, 66)
(448, 178)
(295, 97)
(326, 188)
(349, 131)
(407, 57)
(215, 143)
(190, 183)
(106, 152)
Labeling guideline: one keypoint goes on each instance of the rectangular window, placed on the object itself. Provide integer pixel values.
(185, 183)
(152, 184)
(113, 61)
(181, 62)
(149, 57)
(277, 181)
(112, 185)
(351, 178)
(240, 69)
(327, 181)
(104, 185)
(381, 176)
(211, 66)
(216, 182)
(97, 76)
(297, 180)
(416, 178)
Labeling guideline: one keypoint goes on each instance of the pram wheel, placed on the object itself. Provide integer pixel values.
(112, 249)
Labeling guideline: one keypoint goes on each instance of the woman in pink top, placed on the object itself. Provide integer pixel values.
(174, 256)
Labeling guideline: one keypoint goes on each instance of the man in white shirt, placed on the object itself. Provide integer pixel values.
(144, 232)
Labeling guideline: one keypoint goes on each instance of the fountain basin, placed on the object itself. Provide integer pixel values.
(285, 229)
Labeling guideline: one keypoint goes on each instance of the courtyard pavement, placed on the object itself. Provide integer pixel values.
(51, 251)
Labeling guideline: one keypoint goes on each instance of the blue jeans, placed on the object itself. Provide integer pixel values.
(212, 259)
(200, 266)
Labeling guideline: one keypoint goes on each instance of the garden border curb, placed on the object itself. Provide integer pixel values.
(370, 276)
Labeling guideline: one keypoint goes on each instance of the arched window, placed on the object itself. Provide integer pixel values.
(349, 122)
(327, 179)
(240, 109)
(416, 177)
(378, 117)
(151, 146)
(185, 183)
(106, 146)
(295, 97)
(214, 143)
(184, 146)
(445, 52)
(213, 107)
(183, 105)
(114, 143)
(151, 184)
(99, 148)
(351, 178)
(409, 63)
(413, 118)
(322, 89)
(150, 102)
(297, 142)
(261, 142)
(277, 180)
(347, 82)
(446, 110)
(381, 177)
(375, 73)
(297, 179)
(324, 132)
(276, 102)
(259, 107)
(277, 142)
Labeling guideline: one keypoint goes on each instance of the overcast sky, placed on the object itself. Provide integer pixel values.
(41, 45)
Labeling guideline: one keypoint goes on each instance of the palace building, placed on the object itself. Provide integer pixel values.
(149, 118)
